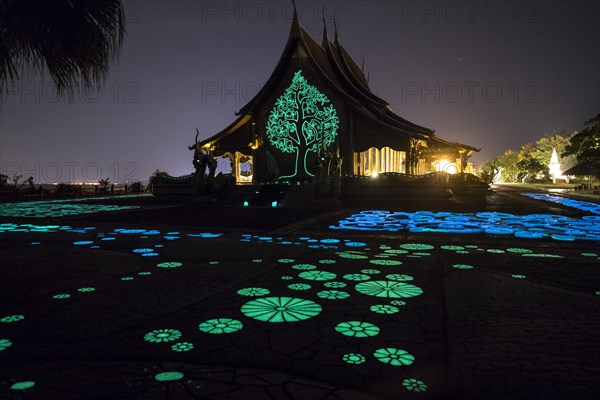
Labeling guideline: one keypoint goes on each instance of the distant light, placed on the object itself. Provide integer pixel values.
(274, 204)
(246, 204)
(374, 174)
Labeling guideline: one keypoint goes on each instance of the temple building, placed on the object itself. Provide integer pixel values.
(318, 100)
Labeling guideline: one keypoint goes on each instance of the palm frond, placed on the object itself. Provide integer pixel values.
(74, 41)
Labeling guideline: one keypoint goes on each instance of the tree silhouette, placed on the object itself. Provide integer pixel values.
(301, 121)
(586, 145)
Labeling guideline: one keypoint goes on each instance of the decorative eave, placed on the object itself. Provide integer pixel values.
(447, 142)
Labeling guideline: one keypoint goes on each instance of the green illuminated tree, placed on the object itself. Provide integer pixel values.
(301, 122)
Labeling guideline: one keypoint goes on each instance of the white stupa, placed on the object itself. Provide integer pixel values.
(554, 167)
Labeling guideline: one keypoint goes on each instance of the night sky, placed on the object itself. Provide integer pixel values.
(492, 74)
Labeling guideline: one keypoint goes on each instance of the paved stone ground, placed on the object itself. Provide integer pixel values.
(271, 304)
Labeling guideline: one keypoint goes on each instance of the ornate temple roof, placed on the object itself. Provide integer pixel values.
(335, 66)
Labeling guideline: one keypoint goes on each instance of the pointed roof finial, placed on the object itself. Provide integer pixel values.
(295, 17)
(335, 26)
(325, 38)
(362, 67)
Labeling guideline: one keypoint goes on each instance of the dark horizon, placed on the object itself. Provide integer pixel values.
(495, 75)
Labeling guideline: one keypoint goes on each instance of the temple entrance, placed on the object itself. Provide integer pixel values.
(241, 166)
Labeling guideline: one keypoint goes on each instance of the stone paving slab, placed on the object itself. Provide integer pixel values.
(173, 312)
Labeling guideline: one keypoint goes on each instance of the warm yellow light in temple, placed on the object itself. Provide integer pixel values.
(254, 145)
(447, 166)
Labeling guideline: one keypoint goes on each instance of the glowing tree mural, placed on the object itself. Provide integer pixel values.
(301, 122)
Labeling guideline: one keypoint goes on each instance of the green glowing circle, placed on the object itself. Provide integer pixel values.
(388, 289)
(162, 335)
(5, 344)
(354, 358)
(334, 285)
(414, 385)
(22, 385)
(357, 329)
(281, 309)
(454, 248)
(327, 261)
(542, 255)
(12, 318)
(495, 251)
(169, 264)
(253, 291)
(61, 296)
(598, 292)
(394, 356)
(370, 271)
(396, 251)
(182, 346)
(168, 376)
(385, 262)
(519, 276)
(399, 277)
(384, 309)
(589, 254)
(462, 266)
(221, 325)
(285, 260)
(287, 278)
(86, 289)
(317, 275)
(352, 255)
(518, 250)
(304, 267)
(257, 260)
(333, 294)
(357, 277)
(398, 303)
(383, 255)
(416, 246)
(144, 273)
(299, 286)
(127, 278)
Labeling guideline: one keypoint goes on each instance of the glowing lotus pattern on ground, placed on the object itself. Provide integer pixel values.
(394, 356)
(354, 358)
(532, 226)
(5, 344)
(384, 309)
(253, 292)
(220, 326)
(391, 289)
(357, 329)
(414, 385)
(162, 335)
(333, 294)
(316, 275)
(281, 309)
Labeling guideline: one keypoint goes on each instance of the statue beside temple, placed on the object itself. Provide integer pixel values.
(203, 160)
